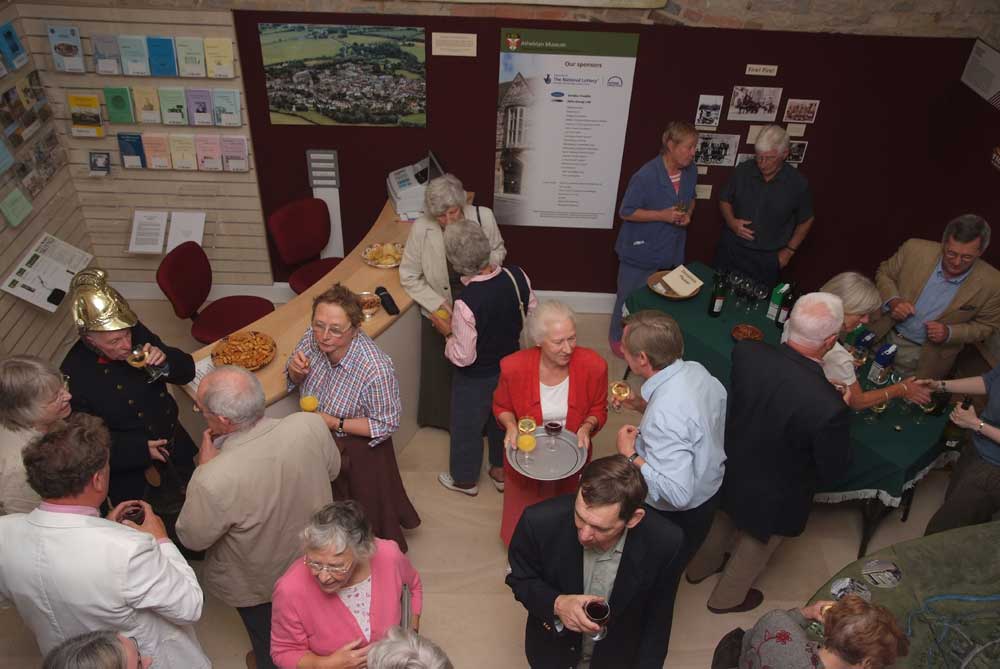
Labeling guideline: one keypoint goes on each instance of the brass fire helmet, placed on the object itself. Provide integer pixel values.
(97, 307)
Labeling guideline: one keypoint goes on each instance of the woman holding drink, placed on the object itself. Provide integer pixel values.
(554, 381)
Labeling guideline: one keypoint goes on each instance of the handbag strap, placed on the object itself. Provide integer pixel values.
(520, 302)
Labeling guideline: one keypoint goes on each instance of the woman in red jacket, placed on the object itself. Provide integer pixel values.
(554, 381)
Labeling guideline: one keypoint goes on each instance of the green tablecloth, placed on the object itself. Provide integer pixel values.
(886, 462)
(948, 601)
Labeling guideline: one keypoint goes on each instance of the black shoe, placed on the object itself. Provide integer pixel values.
(753, 599)
(725, 559)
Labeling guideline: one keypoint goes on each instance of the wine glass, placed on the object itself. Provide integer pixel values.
(749, 293)
(905, 406)
(621, 391)
(137, 359)
(760, 293)
(552, 430)
(525, 437)
(736, 286)
(598, 611)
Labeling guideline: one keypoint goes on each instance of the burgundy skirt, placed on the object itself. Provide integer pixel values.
(370, 476)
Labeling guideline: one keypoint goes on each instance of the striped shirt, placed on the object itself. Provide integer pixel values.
(362, 384)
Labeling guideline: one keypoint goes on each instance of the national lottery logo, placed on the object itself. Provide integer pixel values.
(615, 82)
(513, 41)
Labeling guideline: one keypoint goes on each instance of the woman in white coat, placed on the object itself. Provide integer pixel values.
(434, 285)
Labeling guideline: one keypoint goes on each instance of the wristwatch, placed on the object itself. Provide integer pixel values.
(631, 458)
(980, 428)
(340, 424)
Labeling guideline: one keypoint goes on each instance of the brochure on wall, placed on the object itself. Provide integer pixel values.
(226, 104)
(39, 164)
(147, 103)
(134, 55)
(185, 226)
(15, 207)
(85, 113)
(199, 104)
(148, 230)
(162, 61)
(209, 150)
(100, 163)
(157, 150)
(173, 106)
(6, 159)
(32, 95)
(19, 122)
(11, 48)
(118, 100)
(219, 57)
(133, 154)
(182, 153)
(560, 148)
(107, 55)
(235, 156)
(67, 51)
(190, 56)
(43, 275)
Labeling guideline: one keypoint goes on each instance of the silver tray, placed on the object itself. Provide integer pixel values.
(546, 465)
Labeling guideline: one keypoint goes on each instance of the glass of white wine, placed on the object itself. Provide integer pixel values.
(621, 391)
(137, 358)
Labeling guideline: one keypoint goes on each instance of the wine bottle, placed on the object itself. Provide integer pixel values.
(786, 308)
(718, 299)
(953, 433)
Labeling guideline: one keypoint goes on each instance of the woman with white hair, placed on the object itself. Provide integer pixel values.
(405, 649)
(345, 593)
(485, 326)
(434, 284)
(860, 298)
(33, 396)
(97, 650)
(556, 380)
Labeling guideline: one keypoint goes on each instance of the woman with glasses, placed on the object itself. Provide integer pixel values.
(355, 384)
(345, 594)
(33, 396)
(97, 650)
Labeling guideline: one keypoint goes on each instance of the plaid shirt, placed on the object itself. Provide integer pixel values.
(363, 383)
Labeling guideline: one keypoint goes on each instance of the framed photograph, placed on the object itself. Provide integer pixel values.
(100, 163)
(754, 103)
(716, 149)
(743, 157)
(800, 111)
(797, 151)
(709, 111)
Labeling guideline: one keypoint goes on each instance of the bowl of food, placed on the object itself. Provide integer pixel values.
(370, 304)
(385, 256)
(748, 332)
(250, 350)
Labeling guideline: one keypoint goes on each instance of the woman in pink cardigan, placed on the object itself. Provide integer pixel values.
(344, 595)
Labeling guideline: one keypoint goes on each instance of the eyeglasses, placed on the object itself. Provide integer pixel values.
(65, 381)
(951, 255)
(320, 330)
(318, 568)
(138, 652)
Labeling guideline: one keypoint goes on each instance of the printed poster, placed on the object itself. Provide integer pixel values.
(562, 110)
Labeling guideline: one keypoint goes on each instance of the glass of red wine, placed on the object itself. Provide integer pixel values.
(598, 611)
(552, 429)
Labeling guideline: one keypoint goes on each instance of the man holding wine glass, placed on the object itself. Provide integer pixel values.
(597, 574)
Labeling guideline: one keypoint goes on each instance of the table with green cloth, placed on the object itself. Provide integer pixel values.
(887, 462)
(948, 599)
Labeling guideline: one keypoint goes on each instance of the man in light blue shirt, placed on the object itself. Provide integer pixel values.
(678, 446)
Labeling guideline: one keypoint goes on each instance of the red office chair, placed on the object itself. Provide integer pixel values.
(185, 277)
(300, 231)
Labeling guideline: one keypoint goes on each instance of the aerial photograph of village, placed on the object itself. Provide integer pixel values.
(344, 75)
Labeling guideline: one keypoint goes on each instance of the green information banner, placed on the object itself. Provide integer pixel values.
(514, 40)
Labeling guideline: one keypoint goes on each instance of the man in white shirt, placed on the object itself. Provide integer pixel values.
(69, 571)
(678, 446)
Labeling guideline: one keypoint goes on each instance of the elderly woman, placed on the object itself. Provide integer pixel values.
(405, 649)
(434, 284)
(358, 393)
(856, 635)
(485, 326)
(861, 298)
(344, 595)
(554, 381)
(33, 396)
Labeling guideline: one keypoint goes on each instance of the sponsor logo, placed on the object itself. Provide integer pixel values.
(513, 41)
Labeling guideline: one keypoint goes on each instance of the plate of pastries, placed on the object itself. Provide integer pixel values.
(250, 350)
(748, 332)
(386, 255)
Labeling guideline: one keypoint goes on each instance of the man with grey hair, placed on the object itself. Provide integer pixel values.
(786, 433)
(258, 480)
(768, 210)
(939, 297)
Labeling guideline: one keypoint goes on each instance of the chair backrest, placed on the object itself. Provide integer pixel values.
(300, 229)
(185, 277)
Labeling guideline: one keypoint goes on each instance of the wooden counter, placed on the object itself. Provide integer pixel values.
(290, 321)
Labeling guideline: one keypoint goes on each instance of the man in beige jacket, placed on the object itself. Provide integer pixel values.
(257, 482)
(939, 297)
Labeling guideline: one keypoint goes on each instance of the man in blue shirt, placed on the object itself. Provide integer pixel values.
(678, 446)
(655, 211)
(938, 297)
(973, 494)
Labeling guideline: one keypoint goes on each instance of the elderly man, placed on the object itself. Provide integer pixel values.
(768, 211)
(655, 211)
(596, 545)
(786, 431)
(678, 446)
(939, 297)
(258, 481)
(69, 571)
(138, 410)
(97, 650)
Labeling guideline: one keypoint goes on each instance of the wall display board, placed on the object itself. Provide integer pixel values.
(43, 275)
(562, 108)
(345, 74)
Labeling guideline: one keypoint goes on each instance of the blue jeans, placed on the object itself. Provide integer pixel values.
(471, 415)
(630, 279)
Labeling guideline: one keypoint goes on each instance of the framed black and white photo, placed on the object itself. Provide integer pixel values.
(716, 149)
(800, 111)
(100, 163)
(754, 103)
(797, 151)
(709, 111)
